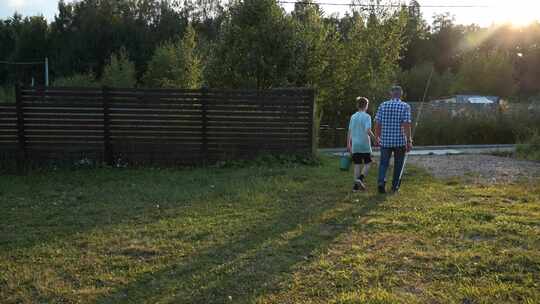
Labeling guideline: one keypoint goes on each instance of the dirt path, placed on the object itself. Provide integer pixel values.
(478, 168)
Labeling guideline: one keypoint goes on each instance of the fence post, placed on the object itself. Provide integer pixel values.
(312, 133)
(107, 149)
(21, 140)
(204, 122)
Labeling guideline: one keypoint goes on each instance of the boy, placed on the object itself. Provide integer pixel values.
(359, 143)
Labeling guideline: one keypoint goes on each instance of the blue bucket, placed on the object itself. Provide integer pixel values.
(345, 162)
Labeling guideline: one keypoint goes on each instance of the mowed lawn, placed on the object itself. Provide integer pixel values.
(264, 234)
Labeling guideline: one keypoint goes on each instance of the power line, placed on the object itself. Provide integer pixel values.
(379, 5)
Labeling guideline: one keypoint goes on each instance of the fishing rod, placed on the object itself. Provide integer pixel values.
(417, 120)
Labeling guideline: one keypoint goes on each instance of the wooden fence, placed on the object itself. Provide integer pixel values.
(156, 126)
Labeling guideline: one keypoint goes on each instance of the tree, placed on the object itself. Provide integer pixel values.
(373, 49)
(414, 82)
(255, 48)
(446, 40)
(491, 74)
(176, 64)
(190, 64)
(416, 37)
(120, 72)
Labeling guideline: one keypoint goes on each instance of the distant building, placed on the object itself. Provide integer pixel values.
(469, 99)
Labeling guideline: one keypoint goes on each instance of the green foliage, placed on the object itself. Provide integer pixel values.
(488, 74)
(530, 148)
(86, 80)
(190, 63)
(475, 126)
(255, 48)
(7, 94)
(120, 72)
(414, 82)
(312, 44)
(176, 64)
(372, 49)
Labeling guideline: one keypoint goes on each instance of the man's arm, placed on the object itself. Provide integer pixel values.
(378, 128)
(407, 128)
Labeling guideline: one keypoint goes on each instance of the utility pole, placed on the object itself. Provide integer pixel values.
(46, 71)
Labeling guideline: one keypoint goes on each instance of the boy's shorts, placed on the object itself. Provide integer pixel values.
(361, 158)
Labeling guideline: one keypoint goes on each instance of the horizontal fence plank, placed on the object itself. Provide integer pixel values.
(283, 120)
(64, 139)
(230, 100)
(262, 129)
(155, 112)
(62, 94)
(62, 120)
(32, 133)
(62, 103)
(64, 146)
(64, 116)
(67, 127)
(153, 106)
(7, 117)
(158, 146)
(149, 124)
(296, 116)
(48, 109)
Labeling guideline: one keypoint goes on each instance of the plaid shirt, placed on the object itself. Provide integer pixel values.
(390, 115)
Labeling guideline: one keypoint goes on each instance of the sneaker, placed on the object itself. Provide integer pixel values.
(395, 190)
(381, 189)
(355, 187)
(361, 184)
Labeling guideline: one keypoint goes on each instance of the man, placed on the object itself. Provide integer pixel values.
(393, 133)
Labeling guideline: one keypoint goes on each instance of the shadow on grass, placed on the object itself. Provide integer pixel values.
(53, 206)
(258, 263)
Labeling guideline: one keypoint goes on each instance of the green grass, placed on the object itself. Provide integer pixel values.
(265, 234)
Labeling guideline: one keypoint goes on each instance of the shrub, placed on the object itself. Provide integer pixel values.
(414, 82)
(7, 94)
(490, 74)
(529, 149)
(87, 80)
(476, 125)
(120, 72)
(176, 65)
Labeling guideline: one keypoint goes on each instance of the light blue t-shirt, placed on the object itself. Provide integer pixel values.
(358, 127)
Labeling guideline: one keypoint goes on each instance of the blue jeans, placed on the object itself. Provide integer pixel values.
(399, 159)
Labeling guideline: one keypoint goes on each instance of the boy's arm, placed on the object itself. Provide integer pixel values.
(349, 141)
(370, 133)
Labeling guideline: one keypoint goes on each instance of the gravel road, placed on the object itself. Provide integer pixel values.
(478, 168)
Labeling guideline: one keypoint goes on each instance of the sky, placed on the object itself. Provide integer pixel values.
(518, 12)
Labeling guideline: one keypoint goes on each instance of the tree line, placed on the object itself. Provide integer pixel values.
(257, 44)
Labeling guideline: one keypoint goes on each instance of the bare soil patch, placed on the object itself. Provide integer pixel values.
(478, 168)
